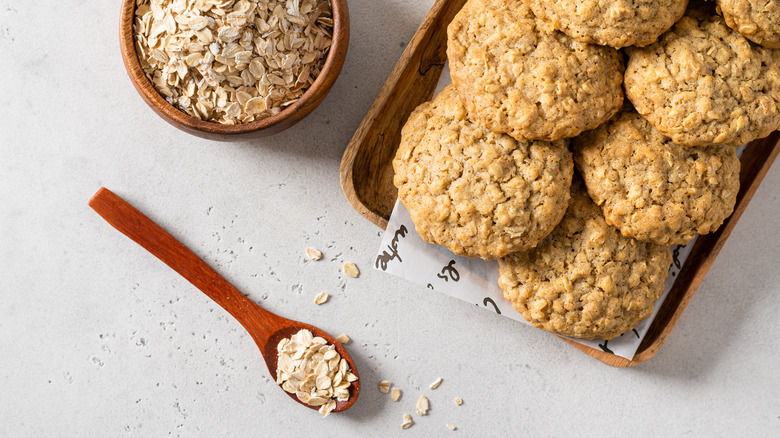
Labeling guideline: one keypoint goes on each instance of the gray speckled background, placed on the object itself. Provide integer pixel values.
(98, 338)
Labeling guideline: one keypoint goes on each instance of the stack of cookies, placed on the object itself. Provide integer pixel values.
(487, 167)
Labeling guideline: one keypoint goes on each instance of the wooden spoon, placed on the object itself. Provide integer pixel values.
(266, 328)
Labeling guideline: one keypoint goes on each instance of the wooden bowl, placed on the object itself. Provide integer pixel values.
(246, 131)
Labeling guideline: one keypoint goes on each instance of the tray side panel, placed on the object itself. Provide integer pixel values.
(366, 168)
(756, 162)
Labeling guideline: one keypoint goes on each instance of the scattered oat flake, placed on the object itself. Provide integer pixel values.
(407, 421)
(458, 401)
(343, 339)
(313, 253)
(384, 386)
(436, 384)
(422, 405)
(451, 427)
(321, 298)
(350, 269)
(395, 394)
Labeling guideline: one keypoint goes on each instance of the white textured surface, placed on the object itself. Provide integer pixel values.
(98, 338)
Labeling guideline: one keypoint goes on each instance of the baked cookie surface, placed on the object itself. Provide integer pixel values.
(585, 279)
(653, 189)
(703, 83)
(616, 23)
(476, 192)
(517, 75)
(757, 20)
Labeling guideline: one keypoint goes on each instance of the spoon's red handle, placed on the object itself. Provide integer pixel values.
(260, 323)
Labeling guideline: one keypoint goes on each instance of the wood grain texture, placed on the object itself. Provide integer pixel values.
(246, 131)
(367, 173)
(266, 328)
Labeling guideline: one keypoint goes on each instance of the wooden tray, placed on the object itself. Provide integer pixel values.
(366, 171)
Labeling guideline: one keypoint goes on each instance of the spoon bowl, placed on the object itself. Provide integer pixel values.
(266, 328)
(271, 358)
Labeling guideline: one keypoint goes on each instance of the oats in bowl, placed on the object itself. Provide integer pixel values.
(229, 61)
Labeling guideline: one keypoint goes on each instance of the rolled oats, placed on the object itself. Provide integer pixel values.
(343, 339)
(422, 405)
(313, 370)
(384, 386)
(312, 253)
(407, 421)
(395, 394)
(350, 269)
(436, 384)
(232, 61)
(328, 407)
(321, 298)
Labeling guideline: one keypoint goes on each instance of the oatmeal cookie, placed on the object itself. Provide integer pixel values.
(617, 23)
(757, 20)
(585, 280)
(477, 192)
(653, 189)
(703, 83)
(517, 75)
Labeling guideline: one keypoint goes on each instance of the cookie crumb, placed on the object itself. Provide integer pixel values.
(422, 405)
(350, 269)
(321, 298)
(313, 253)
(436, 384)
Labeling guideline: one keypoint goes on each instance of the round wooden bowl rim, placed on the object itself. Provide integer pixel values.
(316, 92)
